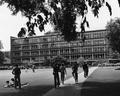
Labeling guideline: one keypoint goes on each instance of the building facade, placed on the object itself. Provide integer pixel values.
(39, 48)
(7, 59)
(6, 54)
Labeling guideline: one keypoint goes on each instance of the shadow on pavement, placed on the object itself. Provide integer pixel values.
(67, 90)
(100, 89)
(29, 91)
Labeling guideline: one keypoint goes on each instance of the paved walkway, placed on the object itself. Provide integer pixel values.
(101, 82)
(69, 89)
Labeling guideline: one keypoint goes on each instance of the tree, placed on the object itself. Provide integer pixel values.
(58, 60)
(46, 62)
(115, 55)
(60, 13)
(1, 58)
(22, 32)
(113, 27)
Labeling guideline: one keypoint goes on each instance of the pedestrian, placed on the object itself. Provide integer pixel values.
(75, 72)
(85, 69)
(9, 83)
(63, 72)
(33, 68)
(26, 68)
(16, 72)
(12, 82)
(56, 75)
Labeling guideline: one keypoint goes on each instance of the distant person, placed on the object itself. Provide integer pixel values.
(16, 72)
(63, 72)
(10, 83)
(33, 68)
(26, 68)
(56, 75)
(75, 72)
(85, 69)
(7, 85)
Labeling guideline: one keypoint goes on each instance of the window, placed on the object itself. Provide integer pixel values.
(17, 60)
(54, 38)
(41, 52)
(26, 40)
(16, 54)
(35, 59)
(18, 41)
(98, 49)
(45, 52)
(25, 53)
(34, 46)
(25, 47)
(25, 60)
(54, 51)
(98, 42)
(34, 40)
(61, 51)
(34, 53)
(88, 42)
(16, 48)
(45, 39)
(88, 35)
(66, 50)
(96, 35)
(45, 45)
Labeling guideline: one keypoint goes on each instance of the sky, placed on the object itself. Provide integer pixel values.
(10, 25)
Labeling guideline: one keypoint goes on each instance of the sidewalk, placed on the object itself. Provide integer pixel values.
(101, 82)
(70, 88)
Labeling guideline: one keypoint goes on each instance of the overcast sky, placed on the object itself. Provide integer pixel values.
(10, 25)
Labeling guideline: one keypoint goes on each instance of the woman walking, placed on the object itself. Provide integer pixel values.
(63, 72)
(85, 69)
(56, 75)
(75, 72)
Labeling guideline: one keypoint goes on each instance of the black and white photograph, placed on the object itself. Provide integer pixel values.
(59, 47)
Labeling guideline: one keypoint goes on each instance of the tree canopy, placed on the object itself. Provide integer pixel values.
(60, 13)
(113, 27)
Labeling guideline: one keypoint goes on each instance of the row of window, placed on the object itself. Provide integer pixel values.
(59, 44)
(36, 39)
(61, 51)
(90, 56)
(93, 35)
(99, 34)
(26, 60)
(70, 58)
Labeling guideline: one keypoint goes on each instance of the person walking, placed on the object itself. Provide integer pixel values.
(63, 72)
(33, 68)
(85, 69)
(16, 72)
(56, 75)
(75, 72)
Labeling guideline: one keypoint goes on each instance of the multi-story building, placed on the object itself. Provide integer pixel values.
(6, 54)
(39, 48)
(6, 57)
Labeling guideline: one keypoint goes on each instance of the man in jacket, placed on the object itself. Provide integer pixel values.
(16, 72)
